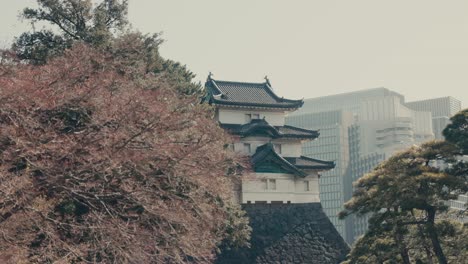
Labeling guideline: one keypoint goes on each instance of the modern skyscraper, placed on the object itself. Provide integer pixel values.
(358, 130)
(333, 145)
(442, 109)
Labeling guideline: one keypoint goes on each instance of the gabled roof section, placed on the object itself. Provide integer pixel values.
(246, 94)
(307, 163)
(262, 128)
(266, 159)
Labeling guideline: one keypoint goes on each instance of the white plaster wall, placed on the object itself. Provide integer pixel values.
(254, 144)
(289, 188)
(289, 148)
(229, 116)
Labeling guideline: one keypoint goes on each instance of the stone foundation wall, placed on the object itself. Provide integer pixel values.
(289, 233)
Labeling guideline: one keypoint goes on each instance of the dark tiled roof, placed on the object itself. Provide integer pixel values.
(294, 165)
(292, 131)
(246, 94)
(262, 127)
(305, 163)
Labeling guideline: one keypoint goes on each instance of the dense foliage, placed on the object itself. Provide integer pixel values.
(71, 21)
(457, 131)
(105, 153)
(382, 245)
(102, 162)
(100, 25)
(406, 196)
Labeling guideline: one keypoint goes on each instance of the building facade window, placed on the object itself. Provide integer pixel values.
(248, 118)
(264, 184)
(247, 148)
(277, 148)
(268, 184)
(307, 186)
(271, 184)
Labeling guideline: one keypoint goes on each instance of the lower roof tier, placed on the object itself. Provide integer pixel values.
(266, 159)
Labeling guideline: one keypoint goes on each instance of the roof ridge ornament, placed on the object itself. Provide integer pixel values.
(267, 81)
(209, 76)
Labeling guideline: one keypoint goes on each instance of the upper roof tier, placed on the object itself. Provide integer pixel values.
(242, 94)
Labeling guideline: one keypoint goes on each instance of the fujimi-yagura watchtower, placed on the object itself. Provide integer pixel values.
(282, 196)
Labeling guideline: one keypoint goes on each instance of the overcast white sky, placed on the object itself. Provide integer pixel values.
(308, 48)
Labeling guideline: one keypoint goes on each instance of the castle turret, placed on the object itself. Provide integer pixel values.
(281, 198)
(255, 115)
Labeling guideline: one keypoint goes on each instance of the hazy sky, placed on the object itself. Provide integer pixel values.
(308, 48)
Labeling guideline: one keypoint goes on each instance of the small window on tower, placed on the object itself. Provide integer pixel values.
(306, 186)
(272, 184)
(247, 148)
(263, 184)
(277, 148)
(255, 116)
(248, 118)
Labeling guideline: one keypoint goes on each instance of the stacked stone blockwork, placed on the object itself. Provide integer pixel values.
(289, 233)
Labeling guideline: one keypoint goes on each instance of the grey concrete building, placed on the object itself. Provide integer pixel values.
(442, 109)
(459, 207)
(357, 130)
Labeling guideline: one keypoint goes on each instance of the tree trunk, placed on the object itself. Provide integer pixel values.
(428, 255)
(399, 239)
(434, 237)
(423, 240)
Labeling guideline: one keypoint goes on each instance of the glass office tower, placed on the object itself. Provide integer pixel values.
(333, 145)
